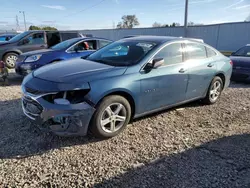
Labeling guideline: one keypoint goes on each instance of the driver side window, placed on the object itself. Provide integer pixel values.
(84, 45)
(36, 38)
(172, 54)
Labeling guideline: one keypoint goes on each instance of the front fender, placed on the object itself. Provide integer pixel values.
(126, 84)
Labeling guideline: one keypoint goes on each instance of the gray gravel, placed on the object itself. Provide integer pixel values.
(190, 146)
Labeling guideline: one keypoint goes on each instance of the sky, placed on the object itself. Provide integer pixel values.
(105, 14)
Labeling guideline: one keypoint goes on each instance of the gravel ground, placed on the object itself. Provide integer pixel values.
(189, 146)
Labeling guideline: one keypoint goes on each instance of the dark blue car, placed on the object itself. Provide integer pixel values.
(77, 47)
(127, 79)
(241, 64)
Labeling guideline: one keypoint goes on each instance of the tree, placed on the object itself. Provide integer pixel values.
(175, 24)
(156, 24)
(49, 28)
(128, 21)
(33, 27)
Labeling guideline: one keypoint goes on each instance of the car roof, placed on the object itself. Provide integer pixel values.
(158, 39)
(7, 34)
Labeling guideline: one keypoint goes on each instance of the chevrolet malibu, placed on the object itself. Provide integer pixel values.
(127, 79)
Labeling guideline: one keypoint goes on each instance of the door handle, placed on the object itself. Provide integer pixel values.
(182, 70)
(210, 65)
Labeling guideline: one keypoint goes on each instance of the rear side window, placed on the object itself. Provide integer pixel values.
(172, 54)
(210, 52)
(103, 43)
(245, 51)
(195, 51)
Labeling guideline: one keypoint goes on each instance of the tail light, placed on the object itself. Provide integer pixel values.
(2, 64)
(231, 62)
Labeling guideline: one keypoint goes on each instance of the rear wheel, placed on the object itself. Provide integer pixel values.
(214, 91)
(111, 117)
(10, 60)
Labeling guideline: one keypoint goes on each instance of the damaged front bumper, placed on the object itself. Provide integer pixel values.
(63, 120)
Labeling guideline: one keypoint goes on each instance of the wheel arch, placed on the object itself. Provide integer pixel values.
(126, 94)
(11, 51)
(223, 77)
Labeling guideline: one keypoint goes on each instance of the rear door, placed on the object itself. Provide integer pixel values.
(201, 68)
(34, 41)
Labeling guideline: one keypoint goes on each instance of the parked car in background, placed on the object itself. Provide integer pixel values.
(241, 64)
(31, 40)
(77, 47)
(103, 92)
(6, 37)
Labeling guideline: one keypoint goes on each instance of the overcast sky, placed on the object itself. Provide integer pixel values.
(95, 14)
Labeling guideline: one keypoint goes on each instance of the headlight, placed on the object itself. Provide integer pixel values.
(32, 58)
(74, 96)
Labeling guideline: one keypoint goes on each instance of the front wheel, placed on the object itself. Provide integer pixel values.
(10, 60)
(214, 91)
(111, 117)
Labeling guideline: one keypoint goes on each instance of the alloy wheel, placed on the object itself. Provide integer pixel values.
(113, 118)
(11, 61)
(215, 91)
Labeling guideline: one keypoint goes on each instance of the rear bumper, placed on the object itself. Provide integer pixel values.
(241, 75)
(63, 120)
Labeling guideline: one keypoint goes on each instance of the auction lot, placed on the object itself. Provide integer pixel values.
(190, 146)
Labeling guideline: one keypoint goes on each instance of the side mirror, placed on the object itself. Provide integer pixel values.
(157, 63)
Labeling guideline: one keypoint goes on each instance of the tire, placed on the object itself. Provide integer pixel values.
(10, 60)
(213, 94)
(106, 122)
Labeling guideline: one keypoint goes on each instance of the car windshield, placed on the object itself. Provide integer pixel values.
(19, 36)
(122, 53)
(65, 44)
(245, 51)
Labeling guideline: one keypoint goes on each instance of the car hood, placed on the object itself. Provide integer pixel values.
(240, 62)
(4, 43)
(43, 51)
(77, 71)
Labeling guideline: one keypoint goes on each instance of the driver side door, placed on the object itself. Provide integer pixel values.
(35, 41)
(165, 85)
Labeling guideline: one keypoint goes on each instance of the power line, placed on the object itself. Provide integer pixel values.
(84, 9)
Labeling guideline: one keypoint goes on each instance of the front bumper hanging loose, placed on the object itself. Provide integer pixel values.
(63, 120)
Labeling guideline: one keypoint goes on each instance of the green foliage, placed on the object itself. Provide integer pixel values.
(128, 21)
(33, 27)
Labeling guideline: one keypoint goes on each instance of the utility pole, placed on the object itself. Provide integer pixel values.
(186, 19)
(24, 19)
(17, 24)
